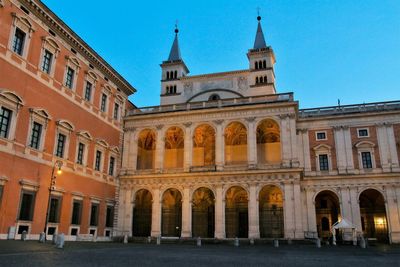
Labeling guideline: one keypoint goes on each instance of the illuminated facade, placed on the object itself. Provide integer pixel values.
(226, 156)
(60, 102)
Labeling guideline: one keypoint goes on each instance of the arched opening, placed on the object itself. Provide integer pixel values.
(171, 218)
(271, 212)
(264, 64)
(174, 147)
(327, 209)
(203, 213)
(167, 75)
(214, 97)
(257, 80)
(236, 213)
(373, 215)
(261, 79)
(268, 142)
(146, 150)
(256, 65)
(141, 223)
(235, 144)
(265, 79)
(203, 146)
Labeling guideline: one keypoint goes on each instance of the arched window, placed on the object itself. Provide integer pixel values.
(261, 80)
(214, 97)
(264, 64)
(265, 79)
(175, 74)
(257, 80)
(268, 142)
(260, 64)
(256, 65)
(235, 144)
(174, 89)
(167, 75)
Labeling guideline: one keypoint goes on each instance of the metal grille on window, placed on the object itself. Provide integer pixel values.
(88, 91)
(5, 119)
(60, 145)
(323, 162)
(98, 159)
(70, 78)
(47, 58)
(35, 138)
(81, 148)
(366, 160)
(19, 40)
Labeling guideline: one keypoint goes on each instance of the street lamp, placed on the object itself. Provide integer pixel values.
(58, 164)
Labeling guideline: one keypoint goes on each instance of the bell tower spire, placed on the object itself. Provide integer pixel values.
(261, 63)
(175, 53)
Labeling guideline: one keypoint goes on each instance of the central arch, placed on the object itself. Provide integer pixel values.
(203, 213)
(203, 146)
(235, 144)
(373, 215)
(171, 218)
(327, 210)
(146, 150)
(174, 147)
(268, 142)
(236, 213)
(141, 224)
(271, 212)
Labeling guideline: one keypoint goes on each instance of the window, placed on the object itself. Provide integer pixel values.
(363, 132)
(103, 104)
(76, 212)
(60, 145)
(323, 162)
(81, 150)
(110, 216)
(5, 122)
(366, 160)
(94, 214)
(1, 193)
(19, 41)
(88, 91)
(26, 206)
(69, 78)
(214, 97)
(321, 135)
(98, 161)
(116, 111)
(47, 60)
(36, 135)
(55, 207)
(111, 167)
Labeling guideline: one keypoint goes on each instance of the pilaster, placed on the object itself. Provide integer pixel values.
(186, 214)
(188, 148)
(156, 213)
(160, 147)
(219, 213)
(251, 143)
(254, 227)
(219, 145)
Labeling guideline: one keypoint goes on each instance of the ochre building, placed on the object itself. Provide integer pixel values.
(226, 156)
(61, 109)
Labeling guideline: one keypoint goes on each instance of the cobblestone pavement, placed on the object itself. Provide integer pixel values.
(77, 254)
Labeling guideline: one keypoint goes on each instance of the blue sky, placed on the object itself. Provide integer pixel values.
(325, 50)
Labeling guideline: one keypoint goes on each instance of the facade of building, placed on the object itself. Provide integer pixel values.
(61, 109)
(226, 156)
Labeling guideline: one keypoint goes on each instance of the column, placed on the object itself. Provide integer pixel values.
(340, 149)
(312, 219)
(288, 210)
(187, 155)
(293, 141)
(298, 219)
(355, 207)
(160, 146)
(251, 143)
(123, 198)
(392, 213)
(132, 151)
(285, 140)
(125, 154)
(125, 212)
(345, 209)
(304, 149)
(156, 214)
(384, 150)
(254, 227)
(219, 213)
(186, 214)
(219, 145)
(348, 149)
(392, 146)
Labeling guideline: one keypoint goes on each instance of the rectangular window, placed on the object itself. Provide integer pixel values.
(60, 145)
(111, 167)
(321, 135)
(98, 161)
(103, 103)
(19, 41)
(55, 207)
(36, 135)
(323, 162)
(366, 160)
(47, 59)
(110, 216)
(88, 91)
(116, 111)
(363, 133)
(81, 149)
(5, 122)
(76, 212)
(26, 206)
(94, 214)
(69, 79)
(1, 194)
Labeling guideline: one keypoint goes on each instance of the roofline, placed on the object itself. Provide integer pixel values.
(214, 74)
(64, 31)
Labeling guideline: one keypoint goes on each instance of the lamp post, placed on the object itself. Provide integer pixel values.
(53, 178)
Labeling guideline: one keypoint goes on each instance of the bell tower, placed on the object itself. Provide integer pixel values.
(261, 64)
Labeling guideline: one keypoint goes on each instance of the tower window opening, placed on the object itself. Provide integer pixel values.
(256, 65)
(265, 79)
(257, 81)
(167, 75)
(175, 74)
(264, 64)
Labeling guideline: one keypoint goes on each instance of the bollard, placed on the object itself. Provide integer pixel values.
(159, 240)
(42, 237)
(125, 239)
(276, 243)
(199, 241)
(60, 241)
(318, 242)
(149, 239)
(362, 242)
(252, 241)
(54, 241)
(23, 236)
(236, 242)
